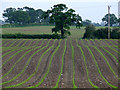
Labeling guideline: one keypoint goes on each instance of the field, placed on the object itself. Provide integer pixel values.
(75, 33)
(67, 63)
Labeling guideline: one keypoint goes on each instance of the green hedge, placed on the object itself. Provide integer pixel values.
(102, 33)
(26, 36)
(25, 25)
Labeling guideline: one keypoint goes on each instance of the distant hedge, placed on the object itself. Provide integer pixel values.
(25, 25)
(26, 36)
(102, 33)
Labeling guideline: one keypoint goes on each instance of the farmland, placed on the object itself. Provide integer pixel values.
(67, 63)
(33, 30)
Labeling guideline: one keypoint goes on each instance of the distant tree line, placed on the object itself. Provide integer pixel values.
(113, 20)
(25, 15)
(62, 18)
(59, 15)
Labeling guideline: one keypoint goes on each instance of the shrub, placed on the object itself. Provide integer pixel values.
(101, 33)
(27, 36)
(89, 33)
(115, 33)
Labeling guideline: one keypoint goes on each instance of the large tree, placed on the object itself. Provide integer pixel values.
(63, 17)
(119, 21)
(31, 12)
(23, 15)
(113, 19)
(86, 22)
(20, 17)
(8, 14)
(39, 15)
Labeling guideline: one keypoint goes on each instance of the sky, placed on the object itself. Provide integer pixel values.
(93, 10)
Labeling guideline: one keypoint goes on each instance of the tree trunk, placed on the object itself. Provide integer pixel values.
(62, 33)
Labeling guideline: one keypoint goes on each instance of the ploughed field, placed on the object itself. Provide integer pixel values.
(68, 63)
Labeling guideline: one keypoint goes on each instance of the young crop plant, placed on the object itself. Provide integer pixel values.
(42, 79)
(19, 43)
(12, 44)
(23, 70)
(100, 71)
(7, 43)
(24, 43)
(111, 54)
(61, 70)
(115, 50)
(3, 42)
(36, 70)
(30, 43)
(16, 48)
(74, 86)
(107, 62)
(87, 72)
(19, 61)
(20, 50)
(12, 57)
(113, 44)
(108, 47)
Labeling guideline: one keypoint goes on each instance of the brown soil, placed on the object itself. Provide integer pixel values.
(81, 80)
(6, 43)
(51, 79)
(93, 72)
(66, 80)
(23, 41)
(104, 67)
(30, 68)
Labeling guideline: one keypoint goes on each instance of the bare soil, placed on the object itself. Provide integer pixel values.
(66, 80)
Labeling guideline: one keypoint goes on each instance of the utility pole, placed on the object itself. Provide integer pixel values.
(109, 22)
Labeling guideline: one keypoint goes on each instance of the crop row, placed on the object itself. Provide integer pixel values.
(41, 47)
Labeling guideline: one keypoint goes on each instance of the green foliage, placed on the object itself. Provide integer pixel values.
(23, 15)
(101, 33)
(8, 14)
(86, 22)
(63, 17)
(20, 17)
(113, 19)
(115, 34)
(89, 31)
(28, 36)
(119, 21)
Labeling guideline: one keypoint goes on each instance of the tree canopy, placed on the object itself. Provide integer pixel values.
(118, 21)
(63, 17)
(113, 19)
(23, 15)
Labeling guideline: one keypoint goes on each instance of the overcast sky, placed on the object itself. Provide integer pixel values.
(88, 9)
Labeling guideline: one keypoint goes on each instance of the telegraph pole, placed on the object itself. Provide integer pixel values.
(109, 22)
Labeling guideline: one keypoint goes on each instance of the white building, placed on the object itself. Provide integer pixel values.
(119, 9)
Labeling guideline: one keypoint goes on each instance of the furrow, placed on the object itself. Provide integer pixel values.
(23, 70)
(85, 63)
(61, 70)
(15, 49)
(18, 61)
(41, 81)
(36, 70)
(74, 86)
(107, 62)
(100, 71)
